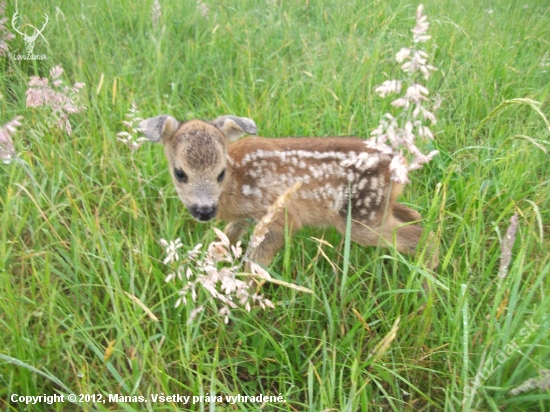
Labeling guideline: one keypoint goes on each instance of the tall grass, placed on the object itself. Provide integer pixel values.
(81, 216)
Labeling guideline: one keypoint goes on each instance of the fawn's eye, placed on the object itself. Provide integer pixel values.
(180, 175)
(221, 176)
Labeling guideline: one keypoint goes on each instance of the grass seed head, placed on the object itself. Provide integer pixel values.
(156, 13)
(542, 383)
(396, 133)
(506, 247)
(56, 95)
(5, 34)
(203, 9)
(130, 138)
(216, 273)
(261, 229)
(7, 150)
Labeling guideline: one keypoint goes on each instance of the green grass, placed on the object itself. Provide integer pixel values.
(81, 217)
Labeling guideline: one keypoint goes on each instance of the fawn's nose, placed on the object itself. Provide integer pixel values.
(202, 212)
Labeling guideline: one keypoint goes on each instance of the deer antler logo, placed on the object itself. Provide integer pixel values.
(29, 40)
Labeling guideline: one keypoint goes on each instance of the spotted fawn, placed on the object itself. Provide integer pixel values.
(217, 175)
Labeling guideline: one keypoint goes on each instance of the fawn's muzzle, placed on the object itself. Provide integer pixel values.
(203, 213)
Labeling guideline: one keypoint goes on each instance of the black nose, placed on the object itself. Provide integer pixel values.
(203, 213)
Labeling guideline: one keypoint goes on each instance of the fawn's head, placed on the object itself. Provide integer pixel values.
(197, 156)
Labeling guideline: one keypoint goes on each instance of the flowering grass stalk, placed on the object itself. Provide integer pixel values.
(396, 133)
(262, 228)
(542, 382)
(156, 13)
(223, 285)
(203, 8)
(506, 247)
(56, 95)
(130, 138)
(7, 150)
(5, 34)
(203, 272)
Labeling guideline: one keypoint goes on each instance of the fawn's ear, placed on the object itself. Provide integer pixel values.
(234, 127)
(156, 129)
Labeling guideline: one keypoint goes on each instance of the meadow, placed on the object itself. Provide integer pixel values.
(84, 306)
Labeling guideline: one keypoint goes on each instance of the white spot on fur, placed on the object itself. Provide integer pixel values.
(362, 161)
(250, 191)
(374, 183)
(379, 194)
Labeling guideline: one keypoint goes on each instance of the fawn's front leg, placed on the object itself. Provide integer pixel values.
(236, 230)
(273, 240)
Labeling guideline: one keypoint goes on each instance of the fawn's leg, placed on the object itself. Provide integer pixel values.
(399, 226)
(398, 230)
(393, 231)
(273, 240)
(404, 214)
(235, 230)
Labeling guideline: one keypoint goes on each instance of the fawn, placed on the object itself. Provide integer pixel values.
(217, 175)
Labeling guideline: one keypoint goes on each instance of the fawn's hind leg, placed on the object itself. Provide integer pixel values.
(405, 215)
(399, 229)
(399, 224)
(396, 230)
